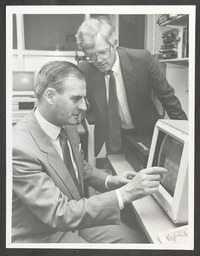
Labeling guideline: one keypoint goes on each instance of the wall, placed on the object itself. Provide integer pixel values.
(178, 78)
(132, 31)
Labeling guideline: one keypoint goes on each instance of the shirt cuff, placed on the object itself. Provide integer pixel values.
(120, 200)
(106, 181)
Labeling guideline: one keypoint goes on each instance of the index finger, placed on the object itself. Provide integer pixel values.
(154, 170)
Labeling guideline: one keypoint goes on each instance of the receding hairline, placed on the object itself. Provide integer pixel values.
(54, 74)
(101, 25)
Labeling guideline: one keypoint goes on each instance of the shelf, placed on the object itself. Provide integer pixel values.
(47, 53)
(181, 62)
(182, 20)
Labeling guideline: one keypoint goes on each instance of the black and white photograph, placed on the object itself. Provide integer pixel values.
(100, 121)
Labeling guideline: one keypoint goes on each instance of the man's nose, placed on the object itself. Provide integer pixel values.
(82, 105)
(99, 59)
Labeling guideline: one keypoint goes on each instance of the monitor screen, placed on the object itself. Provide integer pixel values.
(23, 81)
(168, 154)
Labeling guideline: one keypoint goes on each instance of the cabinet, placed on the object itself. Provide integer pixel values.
(177, 26)
(176, 69)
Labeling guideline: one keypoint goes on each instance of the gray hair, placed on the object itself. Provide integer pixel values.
(53, 75)
(89, 29)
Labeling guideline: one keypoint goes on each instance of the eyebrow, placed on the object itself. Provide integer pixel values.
(98, 51)
(77, 97)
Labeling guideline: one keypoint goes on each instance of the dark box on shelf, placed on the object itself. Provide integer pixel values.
(137, 150)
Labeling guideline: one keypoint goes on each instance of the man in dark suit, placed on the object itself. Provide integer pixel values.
(49, 171)
(136, 75)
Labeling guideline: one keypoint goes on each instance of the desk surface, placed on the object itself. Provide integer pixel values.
(149, 213)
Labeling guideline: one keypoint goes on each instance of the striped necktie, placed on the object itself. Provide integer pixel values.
(114, 121)
(67, 158)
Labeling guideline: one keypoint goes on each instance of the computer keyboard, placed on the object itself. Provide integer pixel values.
(175, 235)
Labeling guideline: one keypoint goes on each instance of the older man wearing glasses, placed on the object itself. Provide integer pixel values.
(120, 82)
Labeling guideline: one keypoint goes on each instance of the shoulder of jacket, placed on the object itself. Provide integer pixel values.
(139, 55)
(85, 67)
(88, 70)
(136, 52)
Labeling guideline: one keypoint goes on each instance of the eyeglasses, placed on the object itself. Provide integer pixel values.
(88, 106)
(102, 54)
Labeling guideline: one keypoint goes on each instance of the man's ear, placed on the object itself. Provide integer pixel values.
(115, 43)
(50, 95)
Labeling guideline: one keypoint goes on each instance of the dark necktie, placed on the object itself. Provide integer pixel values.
(114, 121)
(67, 158)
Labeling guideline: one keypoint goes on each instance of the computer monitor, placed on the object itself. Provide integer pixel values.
(169, 149)
(23, 83)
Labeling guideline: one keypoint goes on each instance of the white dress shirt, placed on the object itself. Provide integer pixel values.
(126, 120)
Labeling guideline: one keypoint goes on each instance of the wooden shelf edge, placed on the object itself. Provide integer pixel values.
(181, 62)
(179, 21)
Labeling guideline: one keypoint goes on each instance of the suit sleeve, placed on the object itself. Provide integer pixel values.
(163, 90)
(94, 177)
(35, 189)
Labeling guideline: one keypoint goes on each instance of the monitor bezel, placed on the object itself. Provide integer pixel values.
(29, 93)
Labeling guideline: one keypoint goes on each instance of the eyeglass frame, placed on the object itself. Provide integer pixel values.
(98, 54)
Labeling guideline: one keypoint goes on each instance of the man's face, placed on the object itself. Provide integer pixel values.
(69, 107)
(101, 45)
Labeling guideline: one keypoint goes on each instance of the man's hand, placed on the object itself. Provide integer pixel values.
(117, 181)
(144, 183)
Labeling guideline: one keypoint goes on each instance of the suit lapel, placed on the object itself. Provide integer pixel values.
(45, 145)
(98, 86)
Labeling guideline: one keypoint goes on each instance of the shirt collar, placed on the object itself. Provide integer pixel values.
(50, 129)
(115, 67)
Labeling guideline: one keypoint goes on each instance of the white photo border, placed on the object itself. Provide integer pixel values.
(93, 9)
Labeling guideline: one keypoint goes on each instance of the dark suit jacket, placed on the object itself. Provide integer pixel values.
(46, 203)
(141, 75)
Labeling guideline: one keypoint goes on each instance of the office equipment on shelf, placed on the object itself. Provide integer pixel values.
(23, 99)
(166, 17)
(23, 103)
(137, 150)
(169, 47)
(23, 90)
(169, 149)
(23, 83)
(176, 39)
(21, 106)
(179, 235)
